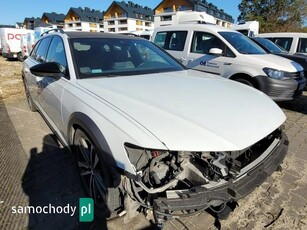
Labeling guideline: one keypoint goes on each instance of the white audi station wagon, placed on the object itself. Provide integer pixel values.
(147, 133)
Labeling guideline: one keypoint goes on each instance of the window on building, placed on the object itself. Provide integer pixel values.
(168, 9)
(122, 22)
(166, 18)
(122, 29)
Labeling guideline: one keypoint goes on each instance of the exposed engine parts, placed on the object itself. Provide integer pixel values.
(174, 180)
(187, 168)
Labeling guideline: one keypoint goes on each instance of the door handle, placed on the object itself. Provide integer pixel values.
(227, 63)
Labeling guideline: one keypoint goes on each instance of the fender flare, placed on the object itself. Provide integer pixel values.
(86, 124)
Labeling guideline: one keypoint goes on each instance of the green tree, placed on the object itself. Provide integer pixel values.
(274, 15)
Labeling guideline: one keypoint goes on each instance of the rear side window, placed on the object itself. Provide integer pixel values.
(302, 45)
(160, 39)
(283, 42)
(173, 40)
(40, 52)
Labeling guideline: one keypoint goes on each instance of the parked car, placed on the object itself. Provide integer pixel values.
(273, 48)
(230, 54)
(148, 133)
(294, 43)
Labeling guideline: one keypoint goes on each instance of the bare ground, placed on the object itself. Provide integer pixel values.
(11, 86)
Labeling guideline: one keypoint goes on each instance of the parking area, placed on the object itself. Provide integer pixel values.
(36, 170)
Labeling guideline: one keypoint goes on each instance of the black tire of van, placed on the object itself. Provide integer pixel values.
(245, 81)
(20, 57)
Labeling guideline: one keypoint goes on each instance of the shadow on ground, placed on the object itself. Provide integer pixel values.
(297, 105)
(51, 180)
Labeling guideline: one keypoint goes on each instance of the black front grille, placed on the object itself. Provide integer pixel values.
(297, 74)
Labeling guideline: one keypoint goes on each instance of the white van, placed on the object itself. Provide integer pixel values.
(30, 41)
(294, 43)
(230, 54)
(1, 34)
(23, 46)
(10, 40)
(38, 31)
(249, 28)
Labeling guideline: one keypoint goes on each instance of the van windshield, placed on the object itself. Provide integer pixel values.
(242, 43)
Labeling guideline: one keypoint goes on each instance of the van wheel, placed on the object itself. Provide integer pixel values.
(94, 174)
(20, 57)
(245, 82)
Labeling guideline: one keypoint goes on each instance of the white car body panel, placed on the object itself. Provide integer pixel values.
(247, 64)
(156, 103)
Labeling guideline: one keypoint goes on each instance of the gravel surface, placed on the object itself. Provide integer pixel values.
(11, 86)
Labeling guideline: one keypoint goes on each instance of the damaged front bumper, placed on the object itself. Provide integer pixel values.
(201, 197)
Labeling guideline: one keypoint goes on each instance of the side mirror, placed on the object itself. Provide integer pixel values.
(215, 51)
(48, 69)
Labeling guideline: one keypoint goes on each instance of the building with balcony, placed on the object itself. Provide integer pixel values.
(53, 19)
(30, 23)
(123, 17)
(79, 19)
(166, 11)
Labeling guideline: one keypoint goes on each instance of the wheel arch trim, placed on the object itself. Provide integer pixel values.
(85, 123)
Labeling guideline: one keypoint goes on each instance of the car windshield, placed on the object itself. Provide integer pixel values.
(242, 43)
(270, 46)
(107, 57)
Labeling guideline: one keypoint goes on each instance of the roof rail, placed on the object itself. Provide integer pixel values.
(53, 30)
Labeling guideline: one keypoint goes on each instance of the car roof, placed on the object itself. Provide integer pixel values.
(82, 34)
(282, 34)
(199, 27)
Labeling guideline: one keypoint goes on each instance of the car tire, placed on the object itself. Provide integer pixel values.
(30, 101)
(20, 57)
(245, 82)
(95, 176)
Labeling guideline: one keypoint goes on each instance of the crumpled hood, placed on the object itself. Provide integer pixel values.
(190, 110)
(274, 61)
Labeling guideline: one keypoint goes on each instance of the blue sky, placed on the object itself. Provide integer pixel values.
(16, 10)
